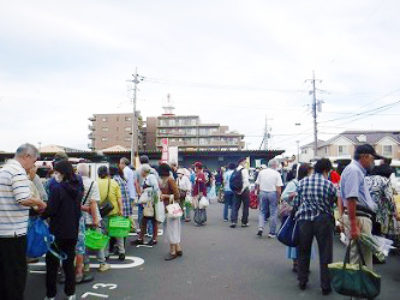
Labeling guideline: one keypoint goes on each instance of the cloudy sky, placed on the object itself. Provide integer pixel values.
(232, 62)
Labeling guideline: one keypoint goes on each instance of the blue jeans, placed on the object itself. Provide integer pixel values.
(268, 204)
(140, 216)
(228, 197)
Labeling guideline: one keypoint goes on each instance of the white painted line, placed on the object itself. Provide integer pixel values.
(135, 262)
(94, 294)
(160, 233)
(146, 246)
(37, 272)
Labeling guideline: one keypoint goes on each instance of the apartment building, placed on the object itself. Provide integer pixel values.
(109, 130)
(188, 133)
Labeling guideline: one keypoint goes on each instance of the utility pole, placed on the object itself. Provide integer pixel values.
(315, 103)
(264, 143)
(135, 134)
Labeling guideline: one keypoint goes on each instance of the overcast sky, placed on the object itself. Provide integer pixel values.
(232, 62)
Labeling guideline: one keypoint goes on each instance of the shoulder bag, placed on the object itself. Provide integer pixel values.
(107, 206)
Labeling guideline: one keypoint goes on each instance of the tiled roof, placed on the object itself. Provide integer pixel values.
(372, 136)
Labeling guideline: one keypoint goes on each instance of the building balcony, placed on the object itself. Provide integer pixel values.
(91, 128)
(92, 119)
(91, 146)
(91, 136)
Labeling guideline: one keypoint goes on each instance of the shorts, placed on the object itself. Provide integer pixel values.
(80, 245)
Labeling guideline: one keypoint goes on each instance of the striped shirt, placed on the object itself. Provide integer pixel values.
(14, 188)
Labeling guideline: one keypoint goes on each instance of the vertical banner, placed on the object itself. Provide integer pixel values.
(164, 150)
(173, 154)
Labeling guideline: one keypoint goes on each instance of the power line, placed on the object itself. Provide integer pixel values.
(220, 86)
(370, 112)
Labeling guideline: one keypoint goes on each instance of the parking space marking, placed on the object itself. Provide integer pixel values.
(134, 262)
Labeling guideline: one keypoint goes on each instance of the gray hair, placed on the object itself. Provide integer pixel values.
(125, 161)
(273, 164)
(27, 149)
(83, 169)
(146, 168)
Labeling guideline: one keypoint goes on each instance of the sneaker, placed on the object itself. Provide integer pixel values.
(233, 225)
(84, 278)
(137, 242)
(245, 224)
(152, 243)
(121, 256)
(259, 233)
(47, 298)
(72, 297)
(226, 220)
(86, 268)
(271, 236)
(104, 267)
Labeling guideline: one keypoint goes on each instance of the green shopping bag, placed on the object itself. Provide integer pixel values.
(95, 240)
(354, 280)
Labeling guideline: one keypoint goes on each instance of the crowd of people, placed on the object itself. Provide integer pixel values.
(72, 204)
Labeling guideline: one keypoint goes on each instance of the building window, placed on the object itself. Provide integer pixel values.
(104, 139)
(193, 122)
(128, 118)
(127, 129)
(104, 119)
(171, 122)
(105, 129)
(326, 150)
(342, 150)
(163, 122)
(387, 150)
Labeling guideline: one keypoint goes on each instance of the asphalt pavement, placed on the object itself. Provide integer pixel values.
(218, 262)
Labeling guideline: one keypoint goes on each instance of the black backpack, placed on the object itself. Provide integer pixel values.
(236, 181)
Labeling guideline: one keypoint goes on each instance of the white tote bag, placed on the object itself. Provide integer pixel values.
(145, 196)
(174, 210)
(159, 208)
(203, 203)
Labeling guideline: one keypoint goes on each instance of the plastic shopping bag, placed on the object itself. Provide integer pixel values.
(159, 210)
(174, 211)
(203, 203)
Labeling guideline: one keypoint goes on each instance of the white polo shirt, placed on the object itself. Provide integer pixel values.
(268, 180)
(14, 188)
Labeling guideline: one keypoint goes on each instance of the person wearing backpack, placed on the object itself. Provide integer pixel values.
(240, 185)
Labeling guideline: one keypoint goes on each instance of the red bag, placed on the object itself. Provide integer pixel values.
(253, 200)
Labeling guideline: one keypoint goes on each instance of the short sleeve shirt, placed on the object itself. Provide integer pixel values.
(268, 180)
(14, 188)
(130, 177)
(353, 185)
